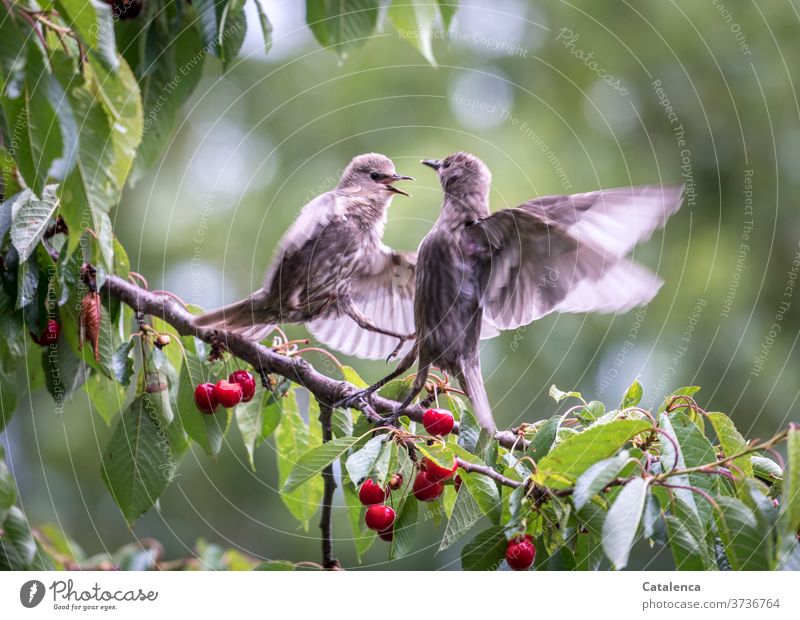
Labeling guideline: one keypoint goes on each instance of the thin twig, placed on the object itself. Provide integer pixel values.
(329, 560)
(488, 471)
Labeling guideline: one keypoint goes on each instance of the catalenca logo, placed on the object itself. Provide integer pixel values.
(31, 593)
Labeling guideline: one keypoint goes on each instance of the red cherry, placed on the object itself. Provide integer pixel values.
(379, 517)
(387, 534)
(205, 398)
(437, 472)
(425, 489)
(371, 493)
(438, 421)
(457, 483)
(246, 381)
(520, 552)
(228, 394)
(49, 334)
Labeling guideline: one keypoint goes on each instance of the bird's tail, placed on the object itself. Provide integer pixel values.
(471, 382)
(241, 318)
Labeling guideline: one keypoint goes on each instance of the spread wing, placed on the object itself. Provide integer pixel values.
(313, 218)
(385, 293)
(565, 253)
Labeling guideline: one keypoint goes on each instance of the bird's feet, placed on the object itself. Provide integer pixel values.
(401, 341)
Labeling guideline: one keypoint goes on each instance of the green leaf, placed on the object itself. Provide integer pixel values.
(747, 546)
(266, 26)
(622, 522)
(731, 441)
(687, 550)
(485, 492)
(466, 513)
(672, 458)
(17, 546)
(633, 395)
(574, 455)
(447, 8)
(8, 489)
(294, 441)
(360, 463)
(30, 217)
(39, 147)
(486, 551)
(342, 24)
(439, 454)
(63, 370)
(207, 430)
(174, 67)
(363, 538)
(543, 441)
(248, 420)
(405, 529)
(559, 395)
(591, 412)
(416, 21)
(232, 30)
(598, 477)
(696, 450)
(767, 470)
(139, 462)
(82, 16)
(790, 504)
(106, 396)
(314, 461)
(8, 398)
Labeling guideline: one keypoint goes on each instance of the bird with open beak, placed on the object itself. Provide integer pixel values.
(333, 272)
(480, 272)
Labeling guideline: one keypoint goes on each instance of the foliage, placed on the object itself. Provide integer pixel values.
(89, 100)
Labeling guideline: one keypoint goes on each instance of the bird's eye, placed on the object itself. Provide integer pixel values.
(375, 175)
(446, 164)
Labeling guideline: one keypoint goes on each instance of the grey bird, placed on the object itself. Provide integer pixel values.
(333, 272)
(479, 272)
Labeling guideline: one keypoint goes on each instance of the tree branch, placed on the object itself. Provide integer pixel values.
(488, 471)
(325, 389)
(329, 561)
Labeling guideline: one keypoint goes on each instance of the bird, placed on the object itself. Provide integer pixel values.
(332, 271)
(478, 273)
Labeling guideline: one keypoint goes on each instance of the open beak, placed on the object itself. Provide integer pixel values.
(391, 178)
(433, 163)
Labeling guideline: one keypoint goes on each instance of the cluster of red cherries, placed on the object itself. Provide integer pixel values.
(238, 388)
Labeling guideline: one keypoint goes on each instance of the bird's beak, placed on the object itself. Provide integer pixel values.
(391, 178)
(433, 163)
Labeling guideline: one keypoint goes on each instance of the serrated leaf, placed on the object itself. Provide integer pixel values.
(296, 443)
(107, 396)
(687, 551)
(486, 551)
(30, 218)
(746, 545)
(767, 470)
(731, 441)
(466, 513)
(314, 461)
(360, 463)
(622, 522)
(485, 493)
(543, 441)
(598, 477)
(248, 421)
(138, 462)
(575, 454)
(341, 24)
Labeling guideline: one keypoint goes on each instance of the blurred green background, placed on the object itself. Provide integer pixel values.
(556, 98)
